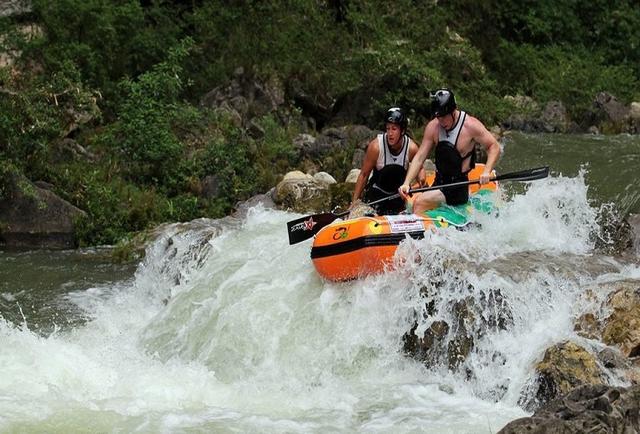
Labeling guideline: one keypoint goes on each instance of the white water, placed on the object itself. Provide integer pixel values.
(226, 328)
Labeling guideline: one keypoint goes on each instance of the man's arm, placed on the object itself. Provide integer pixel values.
(370, 159)
(413, 150)
(485, 138)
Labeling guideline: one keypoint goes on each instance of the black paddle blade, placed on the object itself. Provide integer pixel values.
(306, 227)
(524, 175)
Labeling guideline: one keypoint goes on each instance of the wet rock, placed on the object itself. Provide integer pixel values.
(427, 347)
(588, 326)
(612, 109)
(450, 341)
(613, 359)
(586, 409)
(264, 200)
(622, 327)
(564, 366)
(617, 236)
(33, 217)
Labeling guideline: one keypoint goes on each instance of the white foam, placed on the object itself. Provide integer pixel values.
(227, 327)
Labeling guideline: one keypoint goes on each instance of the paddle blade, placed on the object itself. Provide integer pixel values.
(306, 227)
(524, 175)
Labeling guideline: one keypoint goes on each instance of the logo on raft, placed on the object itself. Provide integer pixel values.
(306, 225)
(340, 233)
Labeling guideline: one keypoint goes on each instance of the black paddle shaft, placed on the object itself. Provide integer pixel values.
(306, 227)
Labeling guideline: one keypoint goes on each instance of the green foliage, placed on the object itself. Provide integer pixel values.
(556, 73)
(106, 40)
(145, 134)
(36, 111)
(139, 69)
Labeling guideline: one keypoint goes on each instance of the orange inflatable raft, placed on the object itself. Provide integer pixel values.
(362, 246)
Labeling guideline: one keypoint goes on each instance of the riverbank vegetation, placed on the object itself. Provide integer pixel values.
(106, 102)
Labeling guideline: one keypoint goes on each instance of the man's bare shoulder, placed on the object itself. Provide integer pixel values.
(431, 129)
(474, 124)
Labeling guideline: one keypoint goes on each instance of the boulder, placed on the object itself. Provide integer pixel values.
(247, 98)
(302, 193)
(352, 177)
(608, 114)
(34, 217)
(554, 117)
(303, 143)
(611, 108)
(564, 366)
(525, 115)
(324, 178)
(622, 326)
(451, 340)
(586, 409)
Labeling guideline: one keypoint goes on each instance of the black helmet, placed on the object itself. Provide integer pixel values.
(396, 115)
(443, 102)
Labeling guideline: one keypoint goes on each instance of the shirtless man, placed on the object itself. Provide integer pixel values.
(453, 133)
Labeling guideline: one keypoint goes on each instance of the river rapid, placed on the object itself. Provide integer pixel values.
(224, 327)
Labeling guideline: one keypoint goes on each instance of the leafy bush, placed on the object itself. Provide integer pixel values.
(572, 76)
(140, 68)
(106, 40)
(145, 134)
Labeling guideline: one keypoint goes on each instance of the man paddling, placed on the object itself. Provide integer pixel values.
(453, 133)
(388, 156)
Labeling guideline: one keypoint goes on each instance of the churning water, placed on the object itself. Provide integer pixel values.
(227, 328)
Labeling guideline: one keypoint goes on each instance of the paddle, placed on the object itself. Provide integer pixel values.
(306, 227)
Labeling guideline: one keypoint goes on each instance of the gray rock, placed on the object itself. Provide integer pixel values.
(565, 366)
(302, 194)
(555, 117)
(34, 217)
(586, 409)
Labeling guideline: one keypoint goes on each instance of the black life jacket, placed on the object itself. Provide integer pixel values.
(390, 170)
(448, 158)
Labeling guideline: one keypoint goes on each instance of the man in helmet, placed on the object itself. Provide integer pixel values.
(453, 133)
(388, 156)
